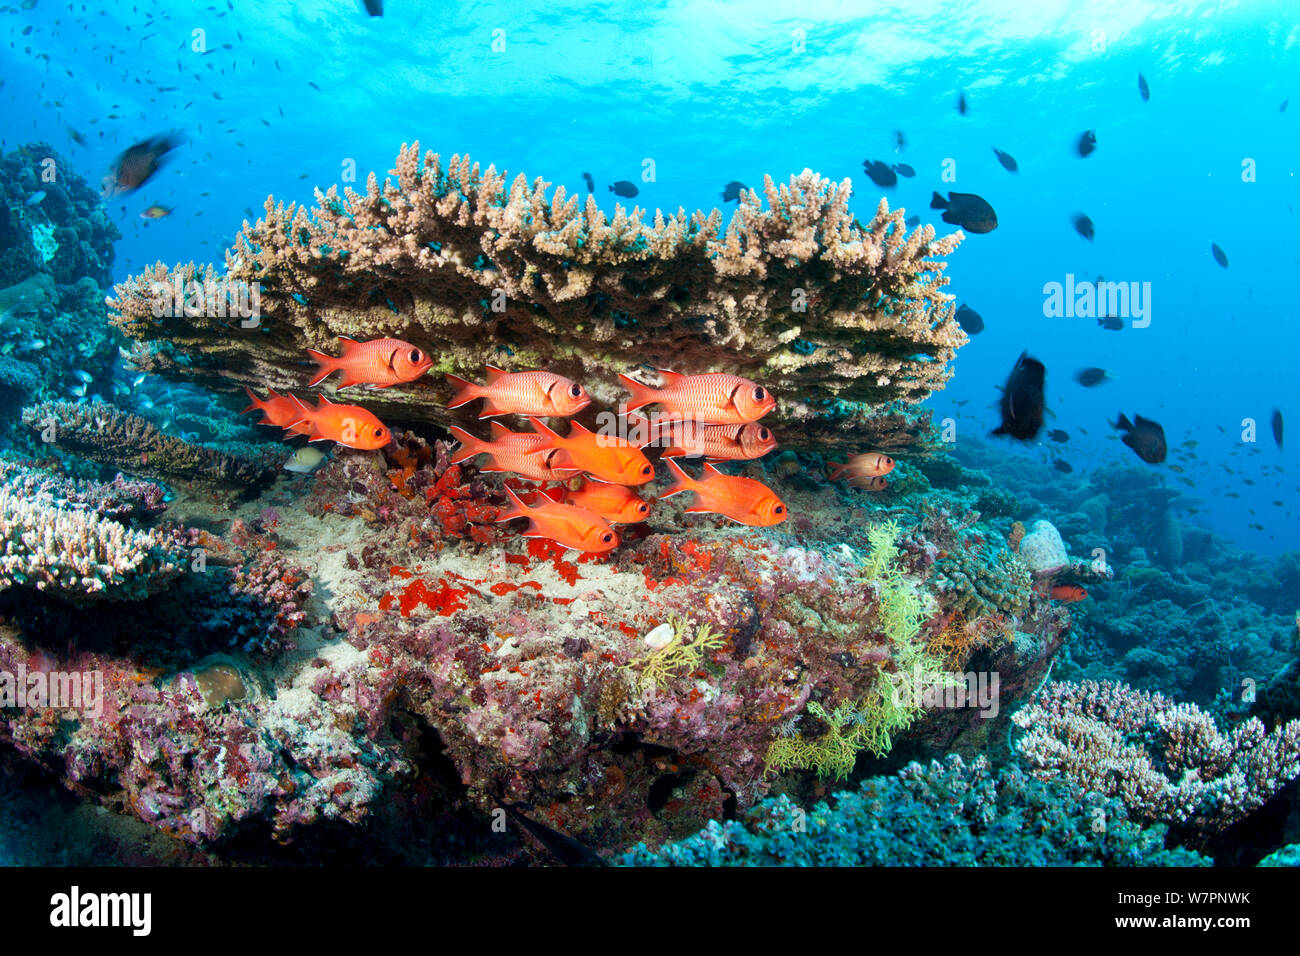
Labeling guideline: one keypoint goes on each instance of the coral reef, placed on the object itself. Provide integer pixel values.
(945, 814)
(121, 499)
(1166, 761)
(106, 434)
(78, 555)
(829, 313)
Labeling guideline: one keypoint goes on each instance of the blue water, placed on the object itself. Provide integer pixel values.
(711, 92)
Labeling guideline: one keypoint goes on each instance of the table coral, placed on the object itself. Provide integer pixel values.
(828, 312)
(1168, 762)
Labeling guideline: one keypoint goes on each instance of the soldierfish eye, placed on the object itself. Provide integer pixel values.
(764, 434)
(379, 433)
(607, 537)
(575, 390)
(647, 470)
(416, 357)
(760, 393)
(779, 509)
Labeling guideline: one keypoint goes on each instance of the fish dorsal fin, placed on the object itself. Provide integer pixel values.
(323, 402)
(542, 428)
(494, 373)
(670, 376)
(347, 345)
(500, 431)
(710, 470)
(576, 429)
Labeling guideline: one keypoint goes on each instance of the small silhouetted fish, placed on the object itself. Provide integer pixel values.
(731, 192)
(1091, 377)
(1007, 160)
(1282, 108)
(912, 222)
(900, 141)
(137, 164)
(625, 189)
(904, 170)
(1087, 142)
(1145, 437)
(1111, 323)
(1144, 91)
(1277, 427)
(375, 7)
(966, 210)
(1058, 434)
(1083, 226)
(879, 173)
(1219, 255)
(35, 198)
(970, 321)
(1060, 464)
(591, 183)
(961, 102)
(76, 137)
(1022, 399)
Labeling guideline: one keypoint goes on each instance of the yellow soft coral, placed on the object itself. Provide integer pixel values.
(682, 655)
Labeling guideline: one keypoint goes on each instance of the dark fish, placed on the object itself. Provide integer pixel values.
(1091, 377)
(1007, 160)
(879, 173)
(1087, 142)
(1144, 91)
(1083, 226)
(76, 137)
(1057, 434)
(1145, 437)
(904, 170)
(137, 165)
(1277, 427)
(1022, 399)
(1219, 255)
(1282, 108)
(966, 210)
(961, 102)
(731, 192)
(1111, 323)
(900, 141)
(561, 846)
(625, 189)
(970, 321)
(375, 7)
(1060, 464)
(912, 222)
(591, 183)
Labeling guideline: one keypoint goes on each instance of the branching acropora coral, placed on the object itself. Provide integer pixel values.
(77, 554)
(824, 310)
(108, 435)
(1166, 761)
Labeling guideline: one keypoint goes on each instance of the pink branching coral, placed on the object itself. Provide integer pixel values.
(824, 309)
(1166, 761)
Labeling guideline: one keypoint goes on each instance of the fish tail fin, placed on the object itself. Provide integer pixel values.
(682, 481)
(469, 445)
(641, 394)
(255, 403)
(837, 469)
(325, 364)
(517, 508)
(465, 393)
(938, 202)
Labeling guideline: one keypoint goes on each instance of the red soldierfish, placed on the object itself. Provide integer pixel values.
(521, 393)
(378, 363)
(569, 525)
(617, 504)
(740, 499)
(869, 464)
(349, 425)
(714, 397)
(278, 410)
(715, 442)
(523, 453)
(603, 457)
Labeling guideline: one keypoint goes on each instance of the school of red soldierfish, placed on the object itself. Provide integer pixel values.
(713, 415)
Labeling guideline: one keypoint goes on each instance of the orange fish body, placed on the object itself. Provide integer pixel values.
(569, 525)
(349, 425)
(378, 363)
(681, 439)
(1068, 593)
(521, 393)
(744, 500)
(603, 457)
(617, 504)
(869, 482)
(714, 397)
(523, 453)
(871, 464)
(278, 410)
